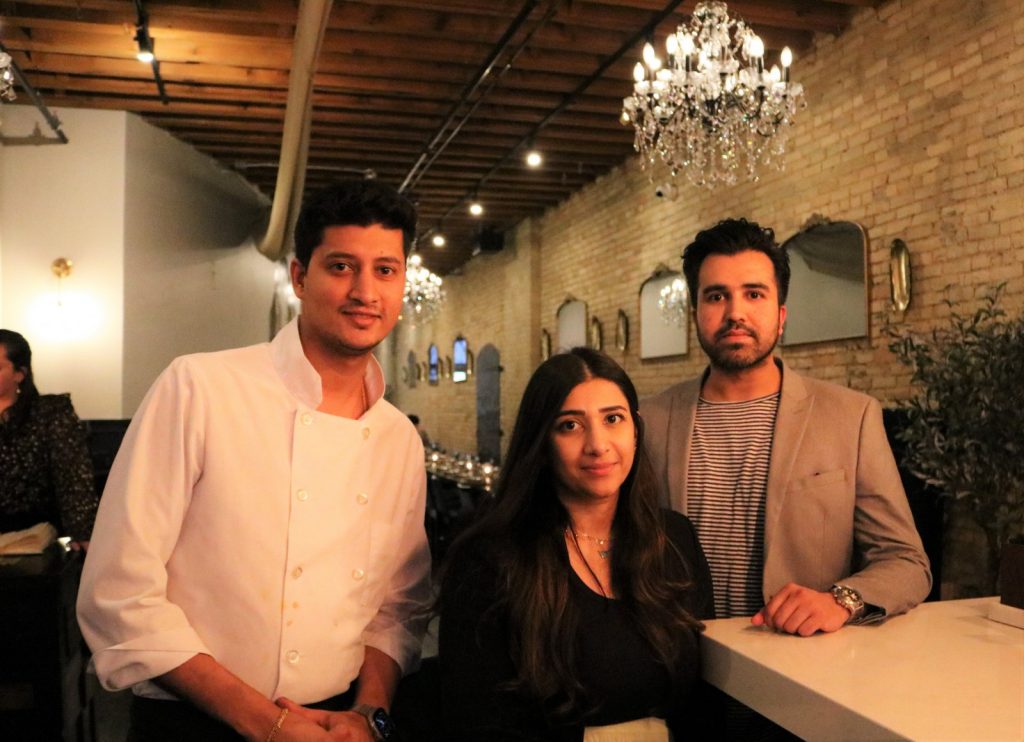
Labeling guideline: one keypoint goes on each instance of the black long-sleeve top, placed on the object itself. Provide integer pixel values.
(45, 470)
(617, 667)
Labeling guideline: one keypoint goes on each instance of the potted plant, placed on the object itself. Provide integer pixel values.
(965, 424)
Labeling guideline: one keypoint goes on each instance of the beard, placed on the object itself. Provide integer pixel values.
(731, 357)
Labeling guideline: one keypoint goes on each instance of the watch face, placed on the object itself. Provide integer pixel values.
(383, 724)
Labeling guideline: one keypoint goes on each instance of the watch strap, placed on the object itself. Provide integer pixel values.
(374, 715)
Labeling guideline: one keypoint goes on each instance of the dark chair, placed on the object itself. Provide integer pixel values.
(104, 439)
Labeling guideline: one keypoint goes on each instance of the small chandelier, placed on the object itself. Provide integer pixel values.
(6, 77)
(423, 293)
(672, 303)
(712, 109)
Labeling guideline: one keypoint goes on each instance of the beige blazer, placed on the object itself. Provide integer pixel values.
(835, 508)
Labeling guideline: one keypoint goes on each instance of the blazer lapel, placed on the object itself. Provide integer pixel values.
(680, 432)
(790, 425)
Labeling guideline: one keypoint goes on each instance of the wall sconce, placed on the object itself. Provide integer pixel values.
(899, 275)
(61, 268)
(64, 316)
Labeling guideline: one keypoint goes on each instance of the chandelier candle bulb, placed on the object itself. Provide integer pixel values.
(649, 55)
(756, 49)
(786, 59)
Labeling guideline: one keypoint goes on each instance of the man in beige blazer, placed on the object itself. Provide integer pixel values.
(829, 534)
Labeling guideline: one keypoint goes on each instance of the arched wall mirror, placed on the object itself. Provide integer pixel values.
(460, 356)
(572, 324)
(828, 288)
(412, 369)
(433, 365)
(663, 331)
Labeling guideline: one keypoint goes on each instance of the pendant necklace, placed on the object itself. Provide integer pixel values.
(570, 531)
(604, 545)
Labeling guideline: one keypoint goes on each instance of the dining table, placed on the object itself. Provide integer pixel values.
(943, 671)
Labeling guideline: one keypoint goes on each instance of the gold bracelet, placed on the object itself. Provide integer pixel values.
(277, 725)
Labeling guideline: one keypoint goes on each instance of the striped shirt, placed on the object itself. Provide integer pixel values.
(726, 484)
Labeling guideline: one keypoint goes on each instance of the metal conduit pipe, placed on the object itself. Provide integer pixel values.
(52, 121)
(569, 98)
(310, 26)
(478, 78)
(552, 9)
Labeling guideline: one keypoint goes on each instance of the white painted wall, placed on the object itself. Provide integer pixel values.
(193, 280)
(66, 201)
(159, 237)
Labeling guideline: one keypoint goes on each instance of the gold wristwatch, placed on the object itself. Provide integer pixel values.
(849, 599)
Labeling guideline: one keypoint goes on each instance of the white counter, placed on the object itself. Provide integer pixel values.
(941, 672)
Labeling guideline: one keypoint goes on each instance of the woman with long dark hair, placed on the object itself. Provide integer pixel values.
(45, 471)
(571, 608)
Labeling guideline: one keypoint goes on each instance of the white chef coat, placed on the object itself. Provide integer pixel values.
(240, 522)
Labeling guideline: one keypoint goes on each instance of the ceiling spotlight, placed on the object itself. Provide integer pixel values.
(534, 158)
(476, 208)
(438, 240)
(145, 41)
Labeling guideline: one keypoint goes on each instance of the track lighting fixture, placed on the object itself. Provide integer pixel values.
(145, 42)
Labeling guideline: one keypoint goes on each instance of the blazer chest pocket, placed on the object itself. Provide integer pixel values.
(818, 479)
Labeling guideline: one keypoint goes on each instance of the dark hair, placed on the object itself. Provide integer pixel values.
(522, 535)
(731, 236)
(20, 355)
(414, 419)
(357, 203)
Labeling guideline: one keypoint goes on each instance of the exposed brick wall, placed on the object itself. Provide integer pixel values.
(494, 301)
(914, 128)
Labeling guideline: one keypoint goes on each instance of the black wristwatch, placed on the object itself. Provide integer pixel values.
(381, 725)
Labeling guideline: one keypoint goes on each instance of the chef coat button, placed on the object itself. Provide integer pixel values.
(366, 433)
(297, 573)
(292, 657)
(362, 498)
(302, 495)
(358, 574)
(307, 419)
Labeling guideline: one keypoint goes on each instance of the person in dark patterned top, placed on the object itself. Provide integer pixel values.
(45, 470)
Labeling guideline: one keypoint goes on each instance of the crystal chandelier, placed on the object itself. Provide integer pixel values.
(6, 77)
(423, 293)
(672, 303)
(712, 109)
